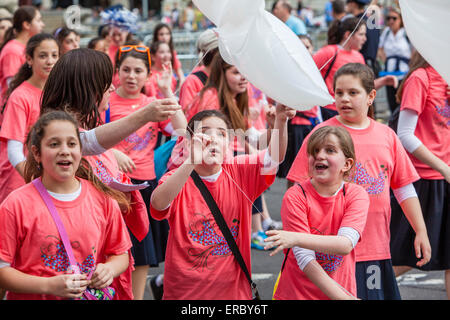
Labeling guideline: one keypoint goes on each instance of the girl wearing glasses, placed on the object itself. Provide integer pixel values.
(137, 149)
(395, 51)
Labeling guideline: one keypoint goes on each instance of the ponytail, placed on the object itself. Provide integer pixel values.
(21, 15)
(25, 72)
(338, 28)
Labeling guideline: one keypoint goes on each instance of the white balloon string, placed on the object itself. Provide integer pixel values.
(351, 34)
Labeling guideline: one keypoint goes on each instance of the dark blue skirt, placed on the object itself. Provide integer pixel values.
(152, 249)
(296, 135)
(375, 280)
(434, 197)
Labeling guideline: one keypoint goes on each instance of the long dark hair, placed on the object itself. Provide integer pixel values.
(77, 83)
(33, 170)
(62, 33)
(158, 27)
(364, 74)
(338, 28)
(237, 111)
(21, 15)
(25, 72)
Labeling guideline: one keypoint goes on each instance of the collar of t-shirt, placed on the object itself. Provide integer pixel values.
(66, 197)
(213, 177)
(354, 128)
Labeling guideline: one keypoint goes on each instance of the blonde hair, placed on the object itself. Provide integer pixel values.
(319, 136)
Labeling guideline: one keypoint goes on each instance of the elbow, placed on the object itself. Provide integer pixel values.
(345, 248)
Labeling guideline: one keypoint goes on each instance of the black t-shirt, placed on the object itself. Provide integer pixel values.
(370, 48)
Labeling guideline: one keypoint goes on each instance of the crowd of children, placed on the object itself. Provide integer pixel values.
(84, 133)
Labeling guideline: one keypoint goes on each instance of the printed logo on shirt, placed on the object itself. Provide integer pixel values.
(141, 143)
(329, 262)
(54, 256)
(444, 112)
(206, 233)
(101, 172)
(372, 185)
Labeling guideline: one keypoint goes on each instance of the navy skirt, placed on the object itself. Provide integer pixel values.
(434, 198)
(375, 280)
(152, 249)
(296, 134)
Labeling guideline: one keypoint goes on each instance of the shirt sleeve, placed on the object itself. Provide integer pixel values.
(117, 238)
(356, 208)
(90, 143)
(415, 90)
(9, 239)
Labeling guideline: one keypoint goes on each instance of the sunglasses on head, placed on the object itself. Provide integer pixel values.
(142, 49)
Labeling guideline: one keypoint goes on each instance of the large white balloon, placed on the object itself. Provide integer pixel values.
(427, 24)
(266, 52)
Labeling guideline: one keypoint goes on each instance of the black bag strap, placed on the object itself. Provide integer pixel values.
(331, 65)
(201, 75)
(224, 229)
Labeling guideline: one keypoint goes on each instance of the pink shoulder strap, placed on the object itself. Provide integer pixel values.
(59, 225)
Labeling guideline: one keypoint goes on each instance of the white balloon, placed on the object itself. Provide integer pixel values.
(266, 52)
(427, 24)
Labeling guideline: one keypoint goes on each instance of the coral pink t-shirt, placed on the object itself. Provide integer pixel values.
(190, 88)
(21, 113)
(343, 57)
(112, 51)
(31, 243)
(426, 93)
(315, 214)
(381, 163)
(199, 264)
(139, 146)
(12, 58)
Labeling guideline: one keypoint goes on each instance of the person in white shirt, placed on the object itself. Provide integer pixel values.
(395, 51)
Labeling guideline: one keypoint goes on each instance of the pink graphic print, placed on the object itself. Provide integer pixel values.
(141, 143)
(444, 112)
(54, 256)
(372, 185)
(206, 234)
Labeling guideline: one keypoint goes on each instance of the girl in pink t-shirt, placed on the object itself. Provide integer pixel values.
(22, 109)
(90, 72)
(138, 148)
(27, 22)
(33, 260)
(424, 130)
(323, 219)
(381, 164)
(345, 39)
(163, 33)
(161, 58)
(199, 264)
